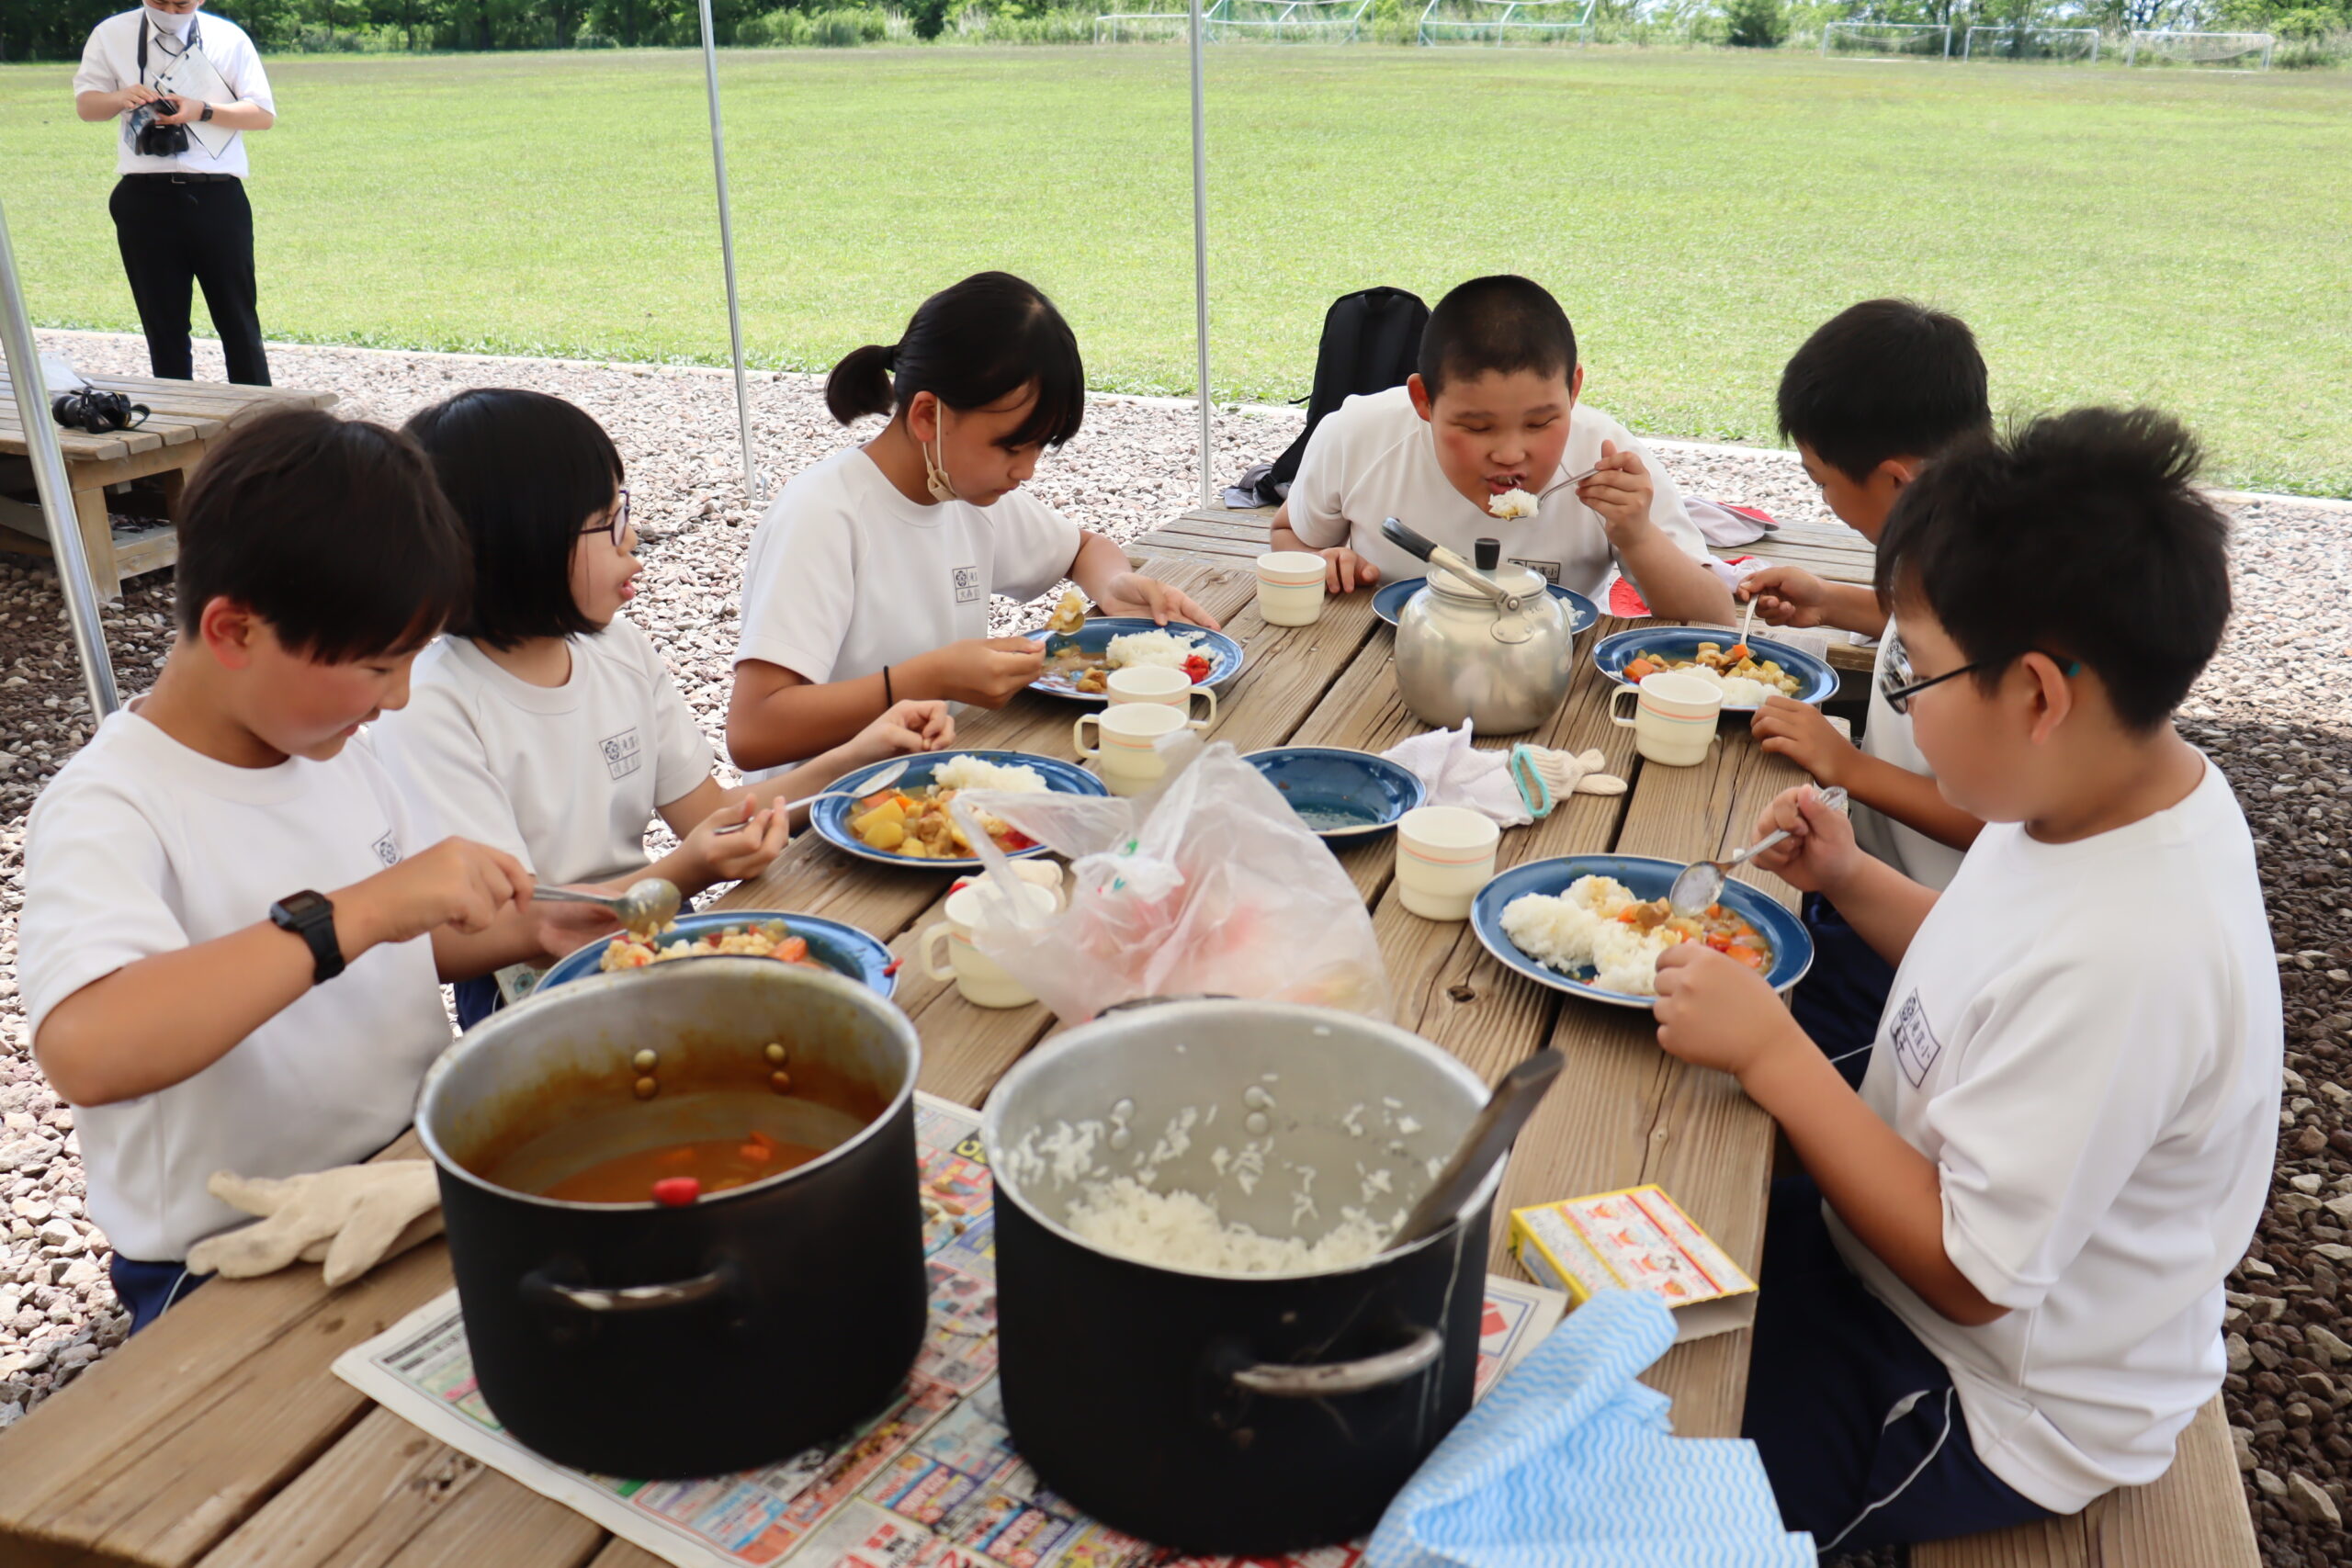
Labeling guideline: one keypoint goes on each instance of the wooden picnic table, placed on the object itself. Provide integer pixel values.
(220, 1437)
(1829, 550)
(185, 418)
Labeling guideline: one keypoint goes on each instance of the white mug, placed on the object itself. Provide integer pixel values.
(981, 980)
(1157, 684)
(1128, 756)
(1674, 721)
(1445, 854)
(1290, 587)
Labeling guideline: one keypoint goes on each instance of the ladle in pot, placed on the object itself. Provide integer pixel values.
(1489, 1138)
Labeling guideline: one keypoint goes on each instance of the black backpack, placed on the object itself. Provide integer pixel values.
(1372, 341)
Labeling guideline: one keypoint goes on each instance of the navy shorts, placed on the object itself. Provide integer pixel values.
(146, 1289)
(1840, 1001)
(477, 998)
(1856, 1421)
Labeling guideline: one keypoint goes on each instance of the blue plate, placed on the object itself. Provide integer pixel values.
(1224, 654)
(1345, 796)
(1646, 878)
(1817, 682)
(1389, 603)
(831, 817)
(838, 947)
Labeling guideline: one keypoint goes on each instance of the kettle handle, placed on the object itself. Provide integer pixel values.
(1429, 550)
(1405, 539)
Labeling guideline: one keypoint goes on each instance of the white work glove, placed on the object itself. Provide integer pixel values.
(351, 1218)
(1511, 788)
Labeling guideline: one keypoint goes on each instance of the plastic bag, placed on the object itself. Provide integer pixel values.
(1209, 885)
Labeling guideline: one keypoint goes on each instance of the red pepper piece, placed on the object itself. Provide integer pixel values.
(676, 1191)
(892, 967)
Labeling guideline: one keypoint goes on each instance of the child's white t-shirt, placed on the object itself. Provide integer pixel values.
(846, 575)
(1375, 458)
(1886, 734)
(564, 778)
(141, 846)
(2086, 1039)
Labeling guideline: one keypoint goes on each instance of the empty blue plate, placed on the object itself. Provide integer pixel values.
(831, 817)
(1645, 878)
(1816, 683)
(844, 948)
(1223, 653)
(1389, 603)
(1343, 795)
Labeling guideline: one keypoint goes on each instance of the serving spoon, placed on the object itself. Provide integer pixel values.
(880, 780)
(1700, 884)
(1488, 1139)
(650, 904)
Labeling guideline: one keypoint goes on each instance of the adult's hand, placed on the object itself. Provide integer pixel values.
(182, 112)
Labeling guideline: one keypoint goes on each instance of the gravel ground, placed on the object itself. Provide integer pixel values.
(2265, 711)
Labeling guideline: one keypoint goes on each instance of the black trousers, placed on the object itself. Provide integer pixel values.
(174, 236)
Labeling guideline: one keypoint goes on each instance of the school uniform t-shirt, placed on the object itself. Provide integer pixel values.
(110, 62)
(2086, 1039)
(141, 846)
(1886, 734)
(1373, 457)
(846, 575)
(564, 778)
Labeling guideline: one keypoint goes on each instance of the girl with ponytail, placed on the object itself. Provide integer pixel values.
(868, 581)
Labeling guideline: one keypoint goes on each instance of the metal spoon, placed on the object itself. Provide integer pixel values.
(650, 904)
(1488, 1139)
(882, 780)
(1700, 884)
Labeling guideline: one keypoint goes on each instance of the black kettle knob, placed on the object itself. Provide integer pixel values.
(1488, 554)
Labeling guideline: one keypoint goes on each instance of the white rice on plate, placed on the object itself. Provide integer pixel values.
(1183, 1230)
(1580, 927)
(1165, 649)
(979, 772)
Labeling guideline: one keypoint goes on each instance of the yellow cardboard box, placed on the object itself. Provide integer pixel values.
(1636, 1238)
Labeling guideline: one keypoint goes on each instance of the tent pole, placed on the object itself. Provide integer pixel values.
(56, 489)
(727, 253)
(1201, 265)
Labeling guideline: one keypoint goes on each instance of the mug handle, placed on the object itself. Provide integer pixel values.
(1634, 692)
(1078, 734)
(1209, 717)
(927, 953)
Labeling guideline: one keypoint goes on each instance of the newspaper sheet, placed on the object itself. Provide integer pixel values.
(931, 1481)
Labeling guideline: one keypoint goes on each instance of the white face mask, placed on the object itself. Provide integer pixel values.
(934, 469)
(175, 23)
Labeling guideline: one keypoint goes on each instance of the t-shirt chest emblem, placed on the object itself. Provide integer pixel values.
(967, 585)
(388, 850)
(622, 756)
(1549, 571)
(1916, 1045)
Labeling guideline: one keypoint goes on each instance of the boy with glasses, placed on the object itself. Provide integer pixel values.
(1996, 1292)
(1874, 393)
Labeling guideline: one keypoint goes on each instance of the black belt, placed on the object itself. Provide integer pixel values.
(183, 180)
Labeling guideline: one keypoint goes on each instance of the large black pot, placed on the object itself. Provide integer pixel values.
(649, 1341)
(1221, 1413)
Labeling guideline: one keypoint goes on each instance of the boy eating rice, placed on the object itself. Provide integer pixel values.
(2012, 1302)
(1493, 409)
(189, 991)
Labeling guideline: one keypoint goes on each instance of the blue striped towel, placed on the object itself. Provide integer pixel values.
(1571, 1460)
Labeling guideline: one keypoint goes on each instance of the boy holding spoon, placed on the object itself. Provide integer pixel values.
(1489, 421)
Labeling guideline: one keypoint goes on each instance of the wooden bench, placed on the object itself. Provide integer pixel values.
(2194, 1517)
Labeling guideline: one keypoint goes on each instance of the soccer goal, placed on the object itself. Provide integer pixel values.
(1285, 21)
(2068, 44)
(1507, 21)
(1143, 26)
(2225, 52)
(1887, 40)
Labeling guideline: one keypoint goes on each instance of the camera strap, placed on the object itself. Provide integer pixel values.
(195, 41)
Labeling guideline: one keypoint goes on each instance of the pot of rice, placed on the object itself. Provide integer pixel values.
(1201, 1342)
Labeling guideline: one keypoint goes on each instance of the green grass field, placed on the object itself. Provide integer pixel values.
(2164, 236)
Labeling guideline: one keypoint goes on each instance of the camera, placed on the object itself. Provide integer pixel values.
(95, 412)
(156, 141)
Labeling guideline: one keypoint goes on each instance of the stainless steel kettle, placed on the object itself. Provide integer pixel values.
(1482, 641)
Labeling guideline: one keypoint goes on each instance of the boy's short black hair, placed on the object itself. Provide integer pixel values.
(331, 530)
(1496, 325)
(1885, 379)
(2081, 535)
(527, 473)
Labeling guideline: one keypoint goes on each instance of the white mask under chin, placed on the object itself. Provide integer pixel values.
(934, 471)
(174, 22)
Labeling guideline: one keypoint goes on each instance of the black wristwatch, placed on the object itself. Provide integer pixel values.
(207, 114)
(311, 917)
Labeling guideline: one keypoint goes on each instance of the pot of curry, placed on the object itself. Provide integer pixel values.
(683, 1209)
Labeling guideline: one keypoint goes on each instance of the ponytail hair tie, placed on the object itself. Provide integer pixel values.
(891, 358)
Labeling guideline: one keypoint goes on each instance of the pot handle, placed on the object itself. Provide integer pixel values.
(1279, 1380)
(629, 1298)
(1134, 1002)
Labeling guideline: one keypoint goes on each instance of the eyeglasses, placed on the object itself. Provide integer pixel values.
(1898, 683)
(617, 528)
